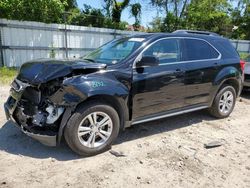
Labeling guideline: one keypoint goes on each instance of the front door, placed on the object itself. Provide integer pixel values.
(159, 88)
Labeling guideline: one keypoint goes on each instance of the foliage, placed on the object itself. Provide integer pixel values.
(208, 15)
(211, 15)
(69, 5)
(40, 10)
(88, 17)
(156, 25)
(241, 20)
(93, 17)
(230, 18)
(52, 53)
(7, 75)
(117, 8)
(245, 56)
(136, 12)
(174, 11)
(108, 7)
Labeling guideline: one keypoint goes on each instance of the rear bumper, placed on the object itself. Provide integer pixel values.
(247, 80)
(48, 140)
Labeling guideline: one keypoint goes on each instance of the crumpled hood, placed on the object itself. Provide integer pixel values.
(44, 70)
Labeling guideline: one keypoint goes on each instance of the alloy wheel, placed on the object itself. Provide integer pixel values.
(95, 129)
(226, 102)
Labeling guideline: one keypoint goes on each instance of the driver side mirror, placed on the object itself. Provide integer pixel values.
(147, 61)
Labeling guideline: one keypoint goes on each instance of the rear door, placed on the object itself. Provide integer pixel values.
(202, 65)
(159, 88)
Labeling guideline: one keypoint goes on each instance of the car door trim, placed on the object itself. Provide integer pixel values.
(169, 115)
(166, 38)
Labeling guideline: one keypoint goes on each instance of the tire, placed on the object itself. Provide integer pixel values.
(81, 131)
(216, 109)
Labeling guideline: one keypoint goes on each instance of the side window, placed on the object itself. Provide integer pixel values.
(194, 49)
(166, 50)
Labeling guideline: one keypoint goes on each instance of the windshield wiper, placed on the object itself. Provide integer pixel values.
(88, 59)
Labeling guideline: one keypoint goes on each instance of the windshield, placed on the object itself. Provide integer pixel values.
(114, 51)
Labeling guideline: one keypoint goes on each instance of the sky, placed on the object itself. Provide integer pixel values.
(147, 16)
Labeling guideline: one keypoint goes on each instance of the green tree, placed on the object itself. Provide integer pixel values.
(241, 20)
(211, 15)
(117, 8)
(89, 16)
(136, 12)
(108, 7)
(93, 17)
(174, 11)
(40, 10)
(156, 25)
(69, 4)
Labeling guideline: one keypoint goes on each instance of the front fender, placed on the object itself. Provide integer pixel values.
(77, 89)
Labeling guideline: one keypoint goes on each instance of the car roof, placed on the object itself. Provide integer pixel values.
(191, 35)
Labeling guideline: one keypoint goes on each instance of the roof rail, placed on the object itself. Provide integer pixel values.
(196, 32)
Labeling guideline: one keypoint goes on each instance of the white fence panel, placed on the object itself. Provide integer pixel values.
(24, 41)
(241, 45)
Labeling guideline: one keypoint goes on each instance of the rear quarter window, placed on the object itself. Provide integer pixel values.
(195, 49)
(226, 48)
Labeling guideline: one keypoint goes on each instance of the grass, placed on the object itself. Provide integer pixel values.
(244, 56)
(7, 75)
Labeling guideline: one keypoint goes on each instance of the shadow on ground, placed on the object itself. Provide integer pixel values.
(245, 93)
(13, 141)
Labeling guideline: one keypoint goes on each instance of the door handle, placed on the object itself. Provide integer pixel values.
(216, 65)
(178, 70)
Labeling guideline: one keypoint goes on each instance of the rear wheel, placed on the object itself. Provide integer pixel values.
(92, 129)
(224, 102)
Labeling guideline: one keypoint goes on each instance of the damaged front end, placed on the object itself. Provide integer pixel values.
(35, 103)
(31, 109)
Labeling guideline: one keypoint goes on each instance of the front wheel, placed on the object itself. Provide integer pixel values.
(92, 129)
(224, 102)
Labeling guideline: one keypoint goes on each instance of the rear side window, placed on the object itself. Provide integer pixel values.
(166, 50)
(227, 49)
(194, 49)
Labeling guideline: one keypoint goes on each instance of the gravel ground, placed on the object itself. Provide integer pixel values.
(164, 153)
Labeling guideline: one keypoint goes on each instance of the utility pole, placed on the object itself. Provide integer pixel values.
(66, 33)
(1, 51)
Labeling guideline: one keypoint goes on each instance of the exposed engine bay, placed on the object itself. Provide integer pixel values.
(34, 109)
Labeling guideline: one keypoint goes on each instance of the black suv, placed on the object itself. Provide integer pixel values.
(127, 81)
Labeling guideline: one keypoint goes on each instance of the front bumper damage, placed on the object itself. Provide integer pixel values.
(12, 108)
(48, 140)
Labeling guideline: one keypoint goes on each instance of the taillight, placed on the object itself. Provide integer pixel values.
(242, 65)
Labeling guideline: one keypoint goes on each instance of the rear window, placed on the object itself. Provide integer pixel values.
(195, 49)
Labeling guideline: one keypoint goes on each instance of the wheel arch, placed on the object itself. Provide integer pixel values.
(229, 75)
(232, 82)
(81, 90)
(119, 104)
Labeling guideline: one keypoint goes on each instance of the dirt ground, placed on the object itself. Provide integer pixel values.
(165, 153)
